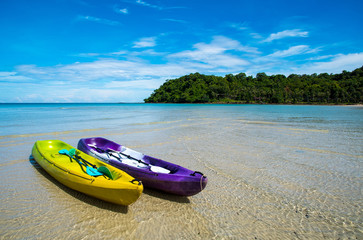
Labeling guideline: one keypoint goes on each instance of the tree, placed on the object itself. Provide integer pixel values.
(346, 87)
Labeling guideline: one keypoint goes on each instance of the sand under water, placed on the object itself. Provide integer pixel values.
(275, 172)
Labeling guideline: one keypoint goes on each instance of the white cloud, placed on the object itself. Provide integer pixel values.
(88, 55)
(100, 94)
(255, 35)
(73, 93)
(13, 77)
(7, 74)
(106, 80)
(148, 4)
(103, 70)
(317, 58)
(174, 20)
(119, 10)
(337, 64)
(286, 33)
(122, 52)
(145, 42)
(238, 26)
(123, 10)
(221, 52)
(230, 44)
(292, 51)
(138, 84)
(98, 20)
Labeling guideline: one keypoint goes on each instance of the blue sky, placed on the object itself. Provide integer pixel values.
(121, 50)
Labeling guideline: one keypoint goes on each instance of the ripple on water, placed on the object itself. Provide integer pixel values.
(269, 177)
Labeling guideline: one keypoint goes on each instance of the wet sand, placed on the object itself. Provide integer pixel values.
(266, 181)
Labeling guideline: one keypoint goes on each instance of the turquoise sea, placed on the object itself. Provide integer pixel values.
(275, 171)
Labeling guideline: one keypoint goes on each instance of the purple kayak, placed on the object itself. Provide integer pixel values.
(154, 173)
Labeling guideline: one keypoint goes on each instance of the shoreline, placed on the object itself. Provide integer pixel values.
(231, 103)
(241, 103)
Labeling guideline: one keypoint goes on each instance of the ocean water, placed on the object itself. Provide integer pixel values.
(274, 171)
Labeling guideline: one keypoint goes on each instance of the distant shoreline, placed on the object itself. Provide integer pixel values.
(208, 103)
(239, 103)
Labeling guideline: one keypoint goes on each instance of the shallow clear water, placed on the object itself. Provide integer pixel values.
(275, 171)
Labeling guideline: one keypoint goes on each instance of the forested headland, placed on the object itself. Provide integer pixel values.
(343, 88)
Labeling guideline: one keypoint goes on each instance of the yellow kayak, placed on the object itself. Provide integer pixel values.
(86, 174)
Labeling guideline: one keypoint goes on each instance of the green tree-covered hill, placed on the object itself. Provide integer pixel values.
(343, 88)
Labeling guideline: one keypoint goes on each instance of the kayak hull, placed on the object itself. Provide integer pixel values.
(122, 190)
(180, 180)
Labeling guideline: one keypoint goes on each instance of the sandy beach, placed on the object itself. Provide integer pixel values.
(276, 176)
